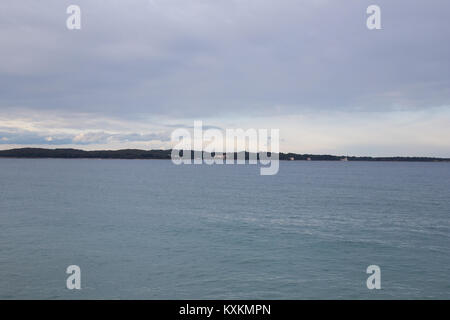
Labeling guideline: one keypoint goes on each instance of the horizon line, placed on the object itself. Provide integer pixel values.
(287, 154)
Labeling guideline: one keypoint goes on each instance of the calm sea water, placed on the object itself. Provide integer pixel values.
(150, 229)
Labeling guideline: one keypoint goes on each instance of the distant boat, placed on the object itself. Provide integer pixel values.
(344, 159)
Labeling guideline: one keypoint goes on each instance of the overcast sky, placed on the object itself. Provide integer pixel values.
(138, 69)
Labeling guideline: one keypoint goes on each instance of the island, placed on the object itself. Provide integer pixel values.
(166, 154)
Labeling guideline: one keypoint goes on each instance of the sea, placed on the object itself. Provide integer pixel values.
(149, 229)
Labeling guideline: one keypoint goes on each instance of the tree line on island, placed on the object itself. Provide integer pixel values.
(166, 154)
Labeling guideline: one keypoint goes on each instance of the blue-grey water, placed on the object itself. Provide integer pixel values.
(147, 229)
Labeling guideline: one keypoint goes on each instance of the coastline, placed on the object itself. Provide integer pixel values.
(137, 154)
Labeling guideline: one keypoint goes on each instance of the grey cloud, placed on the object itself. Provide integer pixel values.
(213, 58)
(27, 138)
(85, 138)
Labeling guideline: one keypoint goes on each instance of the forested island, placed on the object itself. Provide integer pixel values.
(166, 154)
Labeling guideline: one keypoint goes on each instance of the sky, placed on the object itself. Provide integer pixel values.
(139, 69)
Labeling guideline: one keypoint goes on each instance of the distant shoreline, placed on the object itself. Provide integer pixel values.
(41, 153)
